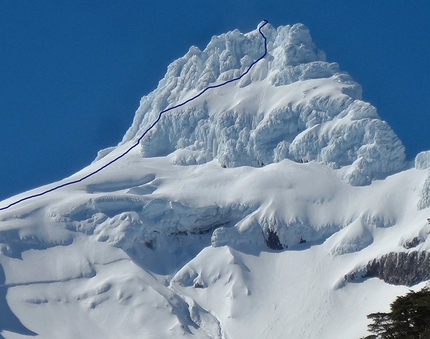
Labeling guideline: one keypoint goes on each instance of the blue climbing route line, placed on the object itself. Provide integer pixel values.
(265, 22)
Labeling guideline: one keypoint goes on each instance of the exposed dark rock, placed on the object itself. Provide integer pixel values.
(400, 268)
(200, 231)
(412, 243)
(272, 240)
(149, 244)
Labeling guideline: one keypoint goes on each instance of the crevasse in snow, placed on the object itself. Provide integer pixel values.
(292, 105)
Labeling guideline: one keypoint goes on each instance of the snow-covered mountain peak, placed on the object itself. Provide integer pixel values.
(225, 57)
(291, 105)
(235, 209)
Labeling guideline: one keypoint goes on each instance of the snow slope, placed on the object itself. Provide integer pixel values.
(248, 213)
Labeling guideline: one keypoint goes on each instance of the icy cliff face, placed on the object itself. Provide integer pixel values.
(292, 105)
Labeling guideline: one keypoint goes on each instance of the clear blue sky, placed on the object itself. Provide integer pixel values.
(72, 72)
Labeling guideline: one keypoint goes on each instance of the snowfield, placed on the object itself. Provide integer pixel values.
(252, 212)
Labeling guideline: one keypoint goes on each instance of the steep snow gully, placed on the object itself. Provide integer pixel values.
(264, 23)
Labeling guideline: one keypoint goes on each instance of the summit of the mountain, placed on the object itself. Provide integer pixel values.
(292, 105)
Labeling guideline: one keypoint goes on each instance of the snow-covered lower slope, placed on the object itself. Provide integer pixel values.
(252, 212)
(152, 249)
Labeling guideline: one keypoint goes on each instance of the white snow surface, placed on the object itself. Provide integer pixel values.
(422, 160)
(171, 240)
(292, 105)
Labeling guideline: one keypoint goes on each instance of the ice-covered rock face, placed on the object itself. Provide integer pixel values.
(292, 105)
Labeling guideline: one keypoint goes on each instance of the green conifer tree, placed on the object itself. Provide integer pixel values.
(409, 318)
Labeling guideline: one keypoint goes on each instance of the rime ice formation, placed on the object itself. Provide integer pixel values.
(293, 105)
(422, 160)
(272, 207)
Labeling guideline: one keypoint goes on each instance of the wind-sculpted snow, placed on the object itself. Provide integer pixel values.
(424, 201)
(422, 160)
(239, 216)
(292, 105)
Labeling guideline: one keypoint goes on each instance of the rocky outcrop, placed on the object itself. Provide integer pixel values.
(400, 268)
(272, 240)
